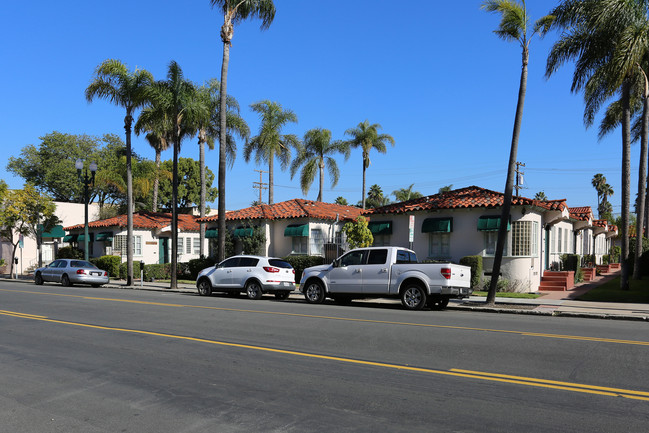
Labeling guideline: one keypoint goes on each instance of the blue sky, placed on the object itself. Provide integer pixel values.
(434, 76)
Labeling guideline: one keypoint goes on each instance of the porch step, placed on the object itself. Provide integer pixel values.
(557, 281)
(589, 274)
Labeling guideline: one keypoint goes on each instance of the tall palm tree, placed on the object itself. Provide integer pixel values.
(207, 129)
(607, 39)
(314, 156)
(271, 143)
(405, 194)
(597, 182)
(233, 11)
(124, 88)
(157, 125)
(176, 97)
(514, 26)
(367, 137)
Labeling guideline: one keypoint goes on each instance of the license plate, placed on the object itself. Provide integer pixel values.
(95, 273)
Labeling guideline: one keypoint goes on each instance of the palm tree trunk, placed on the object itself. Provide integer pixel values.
(129, 201)
(156, 181)
(626, 181)
(363, 191)
(174, 213)
(509, 184)
(225, 36)
(321, 181)
(642, 181)
(271, 177)
(201, 159)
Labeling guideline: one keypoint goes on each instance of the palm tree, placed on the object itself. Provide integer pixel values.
(597, 182)
(541, 196)
(446, 188)
(176, 97)
(514, 26)
(233, 11)
(157, 125)
(313, 156)
(367, 137)
(405, 194)
(207, 129)
(608, 40)
(271, 143)
(114, 81)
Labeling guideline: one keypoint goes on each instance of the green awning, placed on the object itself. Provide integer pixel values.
(104, 236)
(70, 238)
(380, 227)
(242, 232)
(297, 230)
(56, 232)
(82, 237)
(490, 223)
(437, 225)
(212, 233)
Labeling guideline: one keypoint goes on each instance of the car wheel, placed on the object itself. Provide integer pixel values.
(253, 290)
(314, 293)
(38, 279)
(438, 302)
(280, 296)
(413, 297)
(65, 281)
(204, 287)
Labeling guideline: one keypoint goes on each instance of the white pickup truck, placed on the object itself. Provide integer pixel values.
(386, 272)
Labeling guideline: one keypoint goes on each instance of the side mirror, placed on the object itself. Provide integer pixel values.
(335, 263)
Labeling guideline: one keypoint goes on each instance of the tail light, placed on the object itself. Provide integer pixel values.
(81, 271)
(271, 269)
(293, 271)
(446, 273)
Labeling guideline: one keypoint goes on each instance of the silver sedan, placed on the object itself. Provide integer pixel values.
(71, 271)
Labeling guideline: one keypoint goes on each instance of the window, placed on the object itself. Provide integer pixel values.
(535, 239)
(404, 256)
(180, 246)
(317, 242)
(560, 243)
(377, 257)
(197, 245)
(439, 244)
(137, 245)
(566, 237)
(352, 258)
(490, 241)
(188, 246)
(381, 241)
(299, 245)
(246, 262)
(522, 238)
(229, 263)
(120, 246)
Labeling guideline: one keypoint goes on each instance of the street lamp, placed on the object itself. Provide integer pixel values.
(87, 181)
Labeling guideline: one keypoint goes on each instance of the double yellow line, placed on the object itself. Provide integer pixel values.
(470, 374)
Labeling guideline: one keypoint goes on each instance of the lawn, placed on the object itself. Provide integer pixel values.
(610, 292)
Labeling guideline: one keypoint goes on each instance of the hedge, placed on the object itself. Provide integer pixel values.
(475, 262)
(108, 263)
(69, 253)
(300, 263)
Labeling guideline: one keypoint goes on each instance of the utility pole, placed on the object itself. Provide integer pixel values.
(261, 186)
(519, 177)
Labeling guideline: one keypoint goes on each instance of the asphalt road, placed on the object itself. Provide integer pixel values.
(80, 359)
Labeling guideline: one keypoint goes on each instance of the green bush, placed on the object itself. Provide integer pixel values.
(475, 262)
(502, 286)
(158, 271)
(69, 253)
(300, 263)
(571, 262)
(197, 265)
(109, 264)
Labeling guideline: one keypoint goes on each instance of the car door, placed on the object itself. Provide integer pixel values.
(347, 274)
(376, 272)
(48, 271)
(57, 272)
(244, 270)
(222, 275)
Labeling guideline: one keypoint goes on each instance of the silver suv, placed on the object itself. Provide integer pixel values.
(254, 275)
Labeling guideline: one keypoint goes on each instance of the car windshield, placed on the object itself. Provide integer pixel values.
(280, 263)
(81, 264)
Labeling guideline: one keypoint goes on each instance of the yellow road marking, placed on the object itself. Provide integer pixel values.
(348, 319)
(493, 377)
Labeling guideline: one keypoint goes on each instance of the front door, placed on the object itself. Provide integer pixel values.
(163, 251)
(547, 248)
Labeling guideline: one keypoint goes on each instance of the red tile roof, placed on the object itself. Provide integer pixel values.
(464, 198)
(296, 208)
(583, 213)
(144, 220)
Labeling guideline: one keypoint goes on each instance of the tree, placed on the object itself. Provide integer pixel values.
(207, 129)
(598, 181)
(114, 81)
(367, 137)
(271, 143)
(607, 39)
(176, 97)
(541, 196)
(189, 184)
(375, 197)
(446, 188)
(25, 212)
(514, 26)
(234, 11)
(405, 194)
(358, 233)
(314, 156)
(341, 200)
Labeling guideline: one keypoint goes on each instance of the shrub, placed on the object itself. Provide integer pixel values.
(197, 265)
(69, 253)
(300, 263)
(571, 262)
(108, 263)
(475, 262)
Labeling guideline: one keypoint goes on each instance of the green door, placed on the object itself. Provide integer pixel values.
(163, 251)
